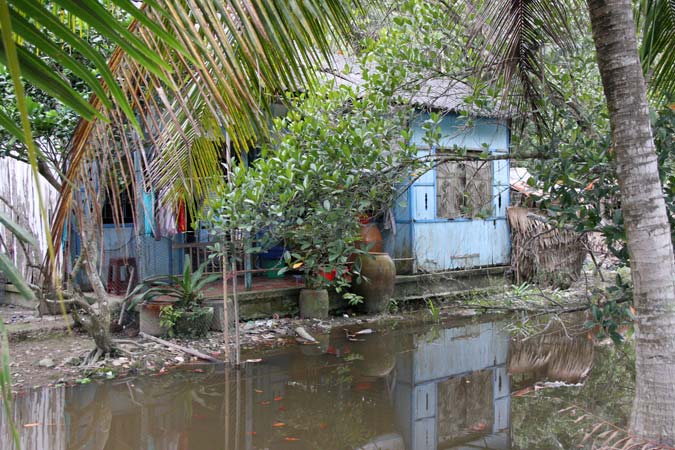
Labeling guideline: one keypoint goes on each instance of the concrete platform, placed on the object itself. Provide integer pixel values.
(269, 296)
(280, 296)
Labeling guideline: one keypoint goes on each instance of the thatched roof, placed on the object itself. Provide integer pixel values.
(543, 253)
(442, 94)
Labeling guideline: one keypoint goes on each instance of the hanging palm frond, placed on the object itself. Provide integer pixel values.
(510, 36)
(225, 62)
(657, 52)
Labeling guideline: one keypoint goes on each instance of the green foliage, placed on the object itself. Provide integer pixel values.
(521, 290)
(341, 153)
(6, 385)
(185, 291)
(434, 310)
(352, 299)
(657, 49)
(7, 266)
(168, 316)
(581, 187)
(611, 310)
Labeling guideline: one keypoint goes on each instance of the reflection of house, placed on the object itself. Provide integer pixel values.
(454, 389)
(441, 389)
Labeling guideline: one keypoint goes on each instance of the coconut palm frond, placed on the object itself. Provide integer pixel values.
(511, 36)
(657, 52)
(43, 30)
(228, 59)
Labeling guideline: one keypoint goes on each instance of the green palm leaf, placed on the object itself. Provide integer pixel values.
(18, 231)
(10, 271)
(657, 51)
(237, 57)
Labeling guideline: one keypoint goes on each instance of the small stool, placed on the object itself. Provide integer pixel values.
(117, 284)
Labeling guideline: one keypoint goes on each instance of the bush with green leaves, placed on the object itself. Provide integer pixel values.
(341, 152)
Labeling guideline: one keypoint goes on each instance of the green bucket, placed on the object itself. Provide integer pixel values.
(274, 265)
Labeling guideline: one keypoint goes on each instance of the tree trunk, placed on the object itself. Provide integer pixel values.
(97, 323)
(647, 229)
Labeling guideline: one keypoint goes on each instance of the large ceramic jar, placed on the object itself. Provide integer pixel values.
(378, 287)
(371, 236)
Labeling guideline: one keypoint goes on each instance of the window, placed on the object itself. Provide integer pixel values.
(122, 208)
(464, 189)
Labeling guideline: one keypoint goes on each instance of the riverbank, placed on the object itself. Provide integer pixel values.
(48, 350)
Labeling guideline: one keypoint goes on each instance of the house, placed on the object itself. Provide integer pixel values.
(453, 216)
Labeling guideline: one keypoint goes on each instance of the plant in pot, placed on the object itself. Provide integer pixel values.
(322, 242)
(173, 305)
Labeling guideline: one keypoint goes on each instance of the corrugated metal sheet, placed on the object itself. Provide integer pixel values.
(460, 244)
(18, 189)
(438, 243)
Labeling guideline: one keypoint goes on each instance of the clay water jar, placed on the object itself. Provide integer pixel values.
(378, 287)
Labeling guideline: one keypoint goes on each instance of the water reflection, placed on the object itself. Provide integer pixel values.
(413, 388)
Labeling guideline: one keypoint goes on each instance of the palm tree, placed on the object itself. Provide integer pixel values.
(514, 33)
(187, 77)
(644, 210)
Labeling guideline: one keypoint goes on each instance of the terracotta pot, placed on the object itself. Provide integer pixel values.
(370, 234)
(314, 303)
(380, 272)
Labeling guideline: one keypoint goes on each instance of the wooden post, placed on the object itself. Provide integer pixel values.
(226, 321)
(235, 301)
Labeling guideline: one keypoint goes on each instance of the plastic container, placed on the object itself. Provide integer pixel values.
(274, 265)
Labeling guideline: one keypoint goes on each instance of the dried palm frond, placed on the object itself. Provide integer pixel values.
(226, 62)
(543, 253)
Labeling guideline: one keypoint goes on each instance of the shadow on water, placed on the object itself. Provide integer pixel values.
(413, 387)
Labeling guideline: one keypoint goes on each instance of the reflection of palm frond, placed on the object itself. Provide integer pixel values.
(556, 358)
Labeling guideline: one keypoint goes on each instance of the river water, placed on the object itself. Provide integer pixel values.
(458, 385)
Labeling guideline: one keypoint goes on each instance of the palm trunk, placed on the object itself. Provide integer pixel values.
(647, 229)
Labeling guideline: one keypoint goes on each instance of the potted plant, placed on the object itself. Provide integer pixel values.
(173, 305)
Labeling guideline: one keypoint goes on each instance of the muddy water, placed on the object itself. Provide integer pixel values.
(458, 385)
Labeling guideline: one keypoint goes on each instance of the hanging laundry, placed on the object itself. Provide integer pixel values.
(148, 210)
(182, 219)
(166, 222)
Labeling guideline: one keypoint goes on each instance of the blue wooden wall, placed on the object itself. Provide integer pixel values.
(435, 243)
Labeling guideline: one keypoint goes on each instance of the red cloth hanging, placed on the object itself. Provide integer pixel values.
(182, 220)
